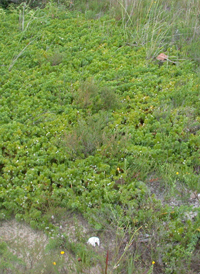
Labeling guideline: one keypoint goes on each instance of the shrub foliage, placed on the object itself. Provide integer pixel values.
(89, 119)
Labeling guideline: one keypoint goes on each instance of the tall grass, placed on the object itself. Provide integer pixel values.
(156, 24)
(160, 24)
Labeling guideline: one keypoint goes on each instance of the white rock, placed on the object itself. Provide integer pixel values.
(94, 241)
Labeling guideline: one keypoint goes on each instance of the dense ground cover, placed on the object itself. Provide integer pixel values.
(88, 123)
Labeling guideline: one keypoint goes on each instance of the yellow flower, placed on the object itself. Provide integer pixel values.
(153, 262)
(62, 252)
(54, 263)
(177, 173)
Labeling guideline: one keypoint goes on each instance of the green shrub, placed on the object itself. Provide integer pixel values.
(88, 124)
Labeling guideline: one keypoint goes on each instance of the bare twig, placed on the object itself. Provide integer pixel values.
(106, 269)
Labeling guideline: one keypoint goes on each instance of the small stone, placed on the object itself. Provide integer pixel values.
(94, 241)
(194, 195)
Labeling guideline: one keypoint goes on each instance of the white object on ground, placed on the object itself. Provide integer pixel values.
(94, 241)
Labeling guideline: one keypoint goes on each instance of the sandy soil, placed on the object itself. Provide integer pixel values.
(29, 245)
